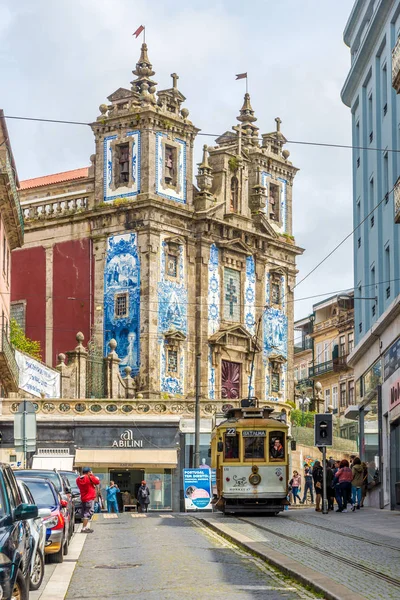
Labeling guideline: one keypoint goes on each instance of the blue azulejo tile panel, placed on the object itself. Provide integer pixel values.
(211, 375)
(250, 296)
(122, 299)
(275, 342)
(110, 191)
(214, 291)
(172, 317)
(175, 191)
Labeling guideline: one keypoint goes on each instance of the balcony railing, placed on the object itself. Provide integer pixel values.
(6, 168)
(305, 344)
(396, 193)
(51, 209)
(325, 324)
(321, 369)
(9, 371)
(396, 66)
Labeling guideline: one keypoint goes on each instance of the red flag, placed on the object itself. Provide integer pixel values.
(241, 76)
(138, 31)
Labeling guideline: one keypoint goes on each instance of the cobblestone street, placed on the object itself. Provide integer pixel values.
(171, 557)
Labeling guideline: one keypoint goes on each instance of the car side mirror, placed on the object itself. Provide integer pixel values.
(76, 494)
(220, 446)
(25, 511)
(44, 512)
(68, 489)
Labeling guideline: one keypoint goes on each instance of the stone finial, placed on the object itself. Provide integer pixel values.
(246, 112)
(204, 176)
(185, 113)
(128, 371)
(79, 337)
(112, 344)
(278, 124)
(204, 163)
(144, 72)
(175, 78)
(103, 108)
(61, 358)
(285, 154)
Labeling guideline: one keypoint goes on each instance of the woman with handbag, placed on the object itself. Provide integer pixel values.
(318, 478)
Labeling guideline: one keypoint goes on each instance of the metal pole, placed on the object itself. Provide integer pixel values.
(24, 440)
(324, 494)
(196, 456)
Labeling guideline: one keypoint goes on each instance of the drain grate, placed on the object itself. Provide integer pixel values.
(119, 566)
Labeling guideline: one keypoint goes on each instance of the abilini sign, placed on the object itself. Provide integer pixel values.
(126, 441)
(395, 395)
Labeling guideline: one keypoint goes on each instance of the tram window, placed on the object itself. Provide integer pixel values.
(254, 448)
(231, 447)
(276, 445)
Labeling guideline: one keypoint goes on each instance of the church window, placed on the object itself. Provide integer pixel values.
(234, 194)
(274, 202)
(232, 295)
(170, 165)
(275, 381)
(275, 293)
(121, 305)
(172, 361)
(123, 163)
(230, 379)
(172, 265)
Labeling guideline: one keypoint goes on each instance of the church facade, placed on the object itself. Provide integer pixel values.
(129, 249)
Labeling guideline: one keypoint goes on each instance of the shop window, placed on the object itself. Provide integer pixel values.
(121, 305)
(123, 164)
(173, 361)
(230, 380)
(234, 194)
(275, 383)
(370, 440)
(171, 165)
(254, 445)
(231, 446)
(274, 202)
(232, 295)
(13, 458)
(276, 445)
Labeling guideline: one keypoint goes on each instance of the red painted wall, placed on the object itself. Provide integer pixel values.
(28, 282)
(72, 297)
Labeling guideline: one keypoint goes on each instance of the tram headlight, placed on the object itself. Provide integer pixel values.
(255, 479)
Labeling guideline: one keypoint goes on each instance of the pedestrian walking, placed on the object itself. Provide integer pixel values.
(295, 482)
(344, 477)
(330, 490)
(357, 483)
(143, 497)
(308, 485)
(98, 503)
(365, 483)
(112, 491)
(318, 478)
(87, 483)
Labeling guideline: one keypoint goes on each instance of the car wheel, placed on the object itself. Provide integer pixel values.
(37, 573)
(20, 591)
(66, 546)
(57, 557)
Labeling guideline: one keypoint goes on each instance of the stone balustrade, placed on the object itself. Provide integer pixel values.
(49, 208)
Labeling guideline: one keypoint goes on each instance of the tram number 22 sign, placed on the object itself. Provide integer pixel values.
(231, 431)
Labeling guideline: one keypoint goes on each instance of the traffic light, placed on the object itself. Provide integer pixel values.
(323, 429)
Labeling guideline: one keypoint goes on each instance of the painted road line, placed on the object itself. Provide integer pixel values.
(138, 515)
(166, 516)
(110, 516)
(57, 586)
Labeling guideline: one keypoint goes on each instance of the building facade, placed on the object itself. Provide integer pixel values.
(371, 33)
(138, 258)
(11, 237)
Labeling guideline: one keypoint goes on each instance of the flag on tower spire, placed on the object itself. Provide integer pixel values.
(241, 76)
(138, 31)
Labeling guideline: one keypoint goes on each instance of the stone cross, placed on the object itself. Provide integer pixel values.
(230, 296)
(175, 78)
(278, 123)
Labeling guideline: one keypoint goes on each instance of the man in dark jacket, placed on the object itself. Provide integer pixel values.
(143, 497)
(308, 485)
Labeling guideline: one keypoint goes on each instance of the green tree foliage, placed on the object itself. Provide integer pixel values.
(21, 342)
(301, 419)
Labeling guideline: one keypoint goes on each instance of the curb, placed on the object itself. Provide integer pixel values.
(319, 582)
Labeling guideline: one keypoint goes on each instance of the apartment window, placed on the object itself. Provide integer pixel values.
(8, 268)
(335, 396)
(359, 242)
(387, 270)
(384, 89)
(327, 346)
(303, 370)
(371, 194)
(360, 327)
(370, 119)
(373, 289)
(350, 342)
(327, 398)
(342, 345)
(357, 140)
(17, 312)
(343, 394)
(351, 392)
(372, 221)
(121, 305)
(319, 354)
(386, 177)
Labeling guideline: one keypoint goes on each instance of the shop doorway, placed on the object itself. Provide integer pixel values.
(128, 481)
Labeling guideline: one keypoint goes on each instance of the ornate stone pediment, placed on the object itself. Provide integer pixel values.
(276, 360)
(262, 223)
(236, 337)
(174, 336)
(236, 245)
(119, 94)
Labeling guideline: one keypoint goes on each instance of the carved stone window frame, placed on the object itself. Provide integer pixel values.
(174, 341)
(173, 248)
(277, 185)
(175, 184)
(114, 144)
(275, 279)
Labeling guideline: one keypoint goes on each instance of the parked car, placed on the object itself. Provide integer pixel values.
(71, 477)
(57, 524)
(38, 533)
(15, 538)
(62, 486)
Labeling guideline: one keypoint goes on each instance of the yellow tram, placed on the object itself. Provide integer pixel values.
(249, 450)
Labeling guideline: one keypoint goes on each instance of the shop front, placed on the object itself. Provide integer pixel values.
(394, 417)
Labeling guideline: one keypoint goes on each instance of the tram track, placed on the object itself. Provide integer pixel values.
(346, 535)
(367, 570)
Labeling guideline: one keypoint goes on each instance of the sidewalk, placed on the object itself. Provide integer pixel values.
(345, 556)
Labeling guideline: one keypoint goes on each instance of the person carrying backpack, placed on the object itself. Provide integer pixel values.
(143, 497)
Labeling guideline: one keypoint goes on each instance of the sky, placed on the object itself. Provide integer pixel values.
(60, 59)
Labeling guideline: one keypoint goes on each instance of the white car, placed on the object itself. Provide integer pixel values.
(38, 533)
